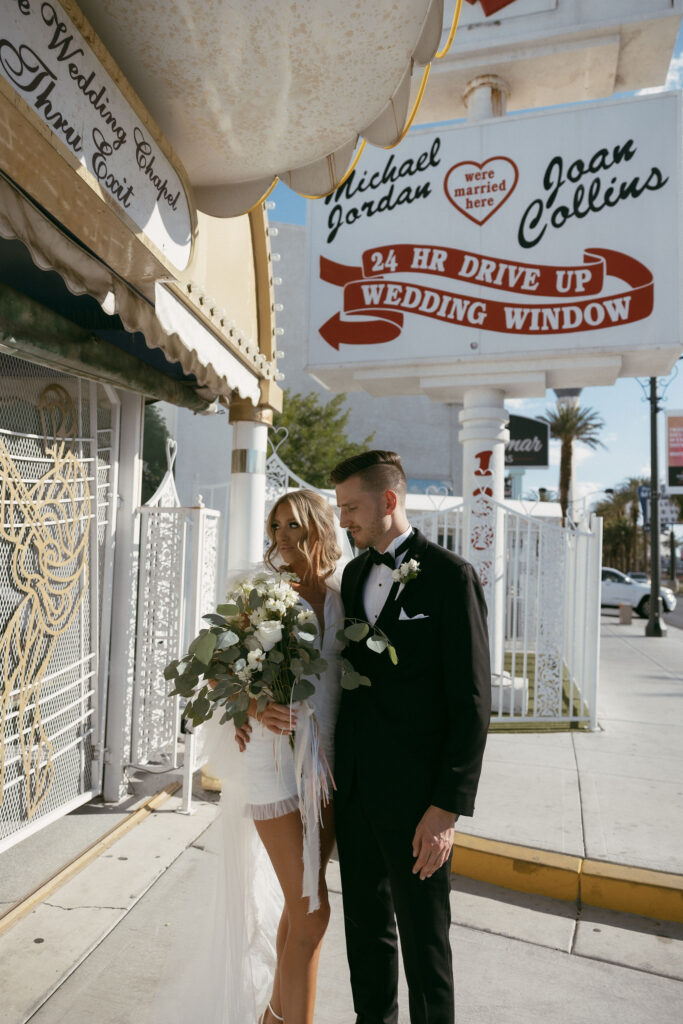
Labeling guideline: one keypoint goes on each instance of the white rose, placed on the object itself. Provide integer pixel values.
(255, 658)
(269, 633)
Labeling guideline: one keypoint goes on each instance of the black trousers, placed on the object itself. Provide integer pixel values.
(379, 891)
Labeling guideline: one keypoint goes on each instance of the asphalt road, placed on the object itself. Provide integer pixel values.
(675, 618)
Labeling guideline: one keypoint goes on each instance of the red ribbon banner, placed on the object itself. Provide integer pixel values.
(374, 305)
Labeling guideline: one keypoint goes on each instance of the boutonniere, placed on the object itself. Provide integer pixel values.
(407, 571)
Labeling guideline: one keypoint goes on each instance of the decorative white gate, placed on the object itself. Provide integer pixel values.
(177, 585)
(546, 669)
(58, 461)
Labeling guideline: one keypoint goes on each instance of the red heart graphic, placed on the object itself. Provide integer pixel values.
(478, 190)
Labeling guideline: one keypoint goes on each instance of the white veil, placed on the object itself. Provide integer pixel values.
(239, 961)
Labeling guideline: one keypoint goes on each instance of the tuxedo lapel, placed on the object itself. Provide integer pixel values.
(392, 605)
(361, 568)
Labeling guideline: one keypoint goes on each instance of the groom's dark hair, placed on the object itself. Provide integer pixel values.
(379, 471)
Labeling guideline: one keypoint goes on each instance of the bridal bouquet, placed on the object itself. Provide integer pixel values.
(260, 645)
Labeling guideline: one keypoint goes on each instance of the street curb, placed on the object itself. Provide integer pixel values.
(655, 894)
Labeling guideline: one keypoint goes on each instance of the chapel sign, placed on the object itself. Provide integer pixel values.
(52, 67)
(533, 237)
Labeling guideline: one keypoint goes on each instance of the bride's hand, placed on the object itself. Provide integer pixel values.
(279, 718)
(242, 736)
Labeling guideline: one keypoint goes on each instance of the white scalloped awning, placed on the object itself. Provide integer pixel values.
(250, 90)
(168, 325)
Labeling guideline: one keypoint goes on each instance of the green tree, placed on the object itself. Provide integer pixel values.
(317, 438)
(154, 463)
(569, 423)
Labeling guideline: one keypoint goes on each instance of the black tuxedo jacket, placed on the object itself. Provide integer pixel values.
(416, 736)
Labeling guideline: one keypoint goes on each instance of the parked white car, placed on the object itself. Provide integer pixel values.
(619, 589)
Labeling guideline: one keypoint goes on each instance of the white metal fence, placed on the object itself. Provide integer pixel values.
(58, 459)
(544, 605)
(177, 585)
(546, 667)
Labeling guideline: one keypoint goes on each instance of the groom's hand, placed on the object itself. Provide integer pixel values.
(433, 841)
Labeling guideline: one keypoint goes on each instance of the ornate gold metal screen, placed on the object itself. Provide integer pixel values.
(55, 460)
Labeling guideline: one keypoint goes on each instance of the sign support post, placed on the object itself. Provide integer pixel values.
(655, 626)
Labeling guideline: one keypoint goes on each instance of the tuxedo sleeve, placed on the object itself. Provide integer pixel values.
(466, 674)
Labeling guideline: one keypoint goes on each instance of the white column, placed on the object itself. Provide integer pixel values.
(247, 506)
(486, 97)
(483, 436)
(247, 484)
(124, 597)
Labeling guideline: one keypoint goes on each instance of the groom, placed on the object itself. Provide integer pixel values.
(408, 748)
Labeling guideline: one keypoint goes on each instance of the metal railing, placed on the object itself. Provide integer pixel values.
(546, 668)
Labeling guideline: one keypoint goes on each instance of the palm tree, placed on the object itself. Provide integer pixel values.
(569, 423)
(618, 530)
(630, 489)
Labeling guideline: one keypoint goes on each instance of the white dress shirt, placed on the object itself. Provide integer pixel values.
(380, 581)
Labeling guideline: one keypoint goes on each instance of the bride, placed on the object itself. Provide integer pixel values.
(303, 540)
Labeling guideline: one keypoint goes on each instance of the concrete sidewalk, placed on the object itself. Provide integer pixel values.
(613, 796)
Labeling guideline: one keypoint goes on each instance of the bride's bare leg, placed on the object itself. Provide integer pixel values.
(276, 999)
(298, 946)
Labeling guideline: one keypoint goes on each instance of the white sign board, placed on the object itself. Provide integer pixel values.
(674, 451)
(549, 239)
(54, 70)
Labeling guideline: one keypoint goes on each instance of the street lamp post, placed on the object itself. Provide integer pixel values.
(655, 626)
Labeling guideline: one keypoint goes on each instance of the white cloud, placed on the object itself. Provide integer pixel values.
(526, 406)
(581, 454)
(674, 78)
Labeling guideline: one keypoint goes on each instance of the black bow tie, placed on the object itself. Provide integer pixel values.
(384, 558)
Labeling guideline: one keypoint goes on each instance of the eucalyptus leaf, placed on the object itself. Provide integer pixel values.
(376, 644)
(357, 631)
(350, 681)
(341, 636)
(255, 599)
(227, 657)
(182, 688)
(241, 701)
(240, 719)
(268, 673)
(228, 610)
(392, 654)
(297, 666)
(205, 647)
(317, 666)
(275, 656)
(171, 670)
(193, 646)
(215, 620)
(226, 639)
(302, 689)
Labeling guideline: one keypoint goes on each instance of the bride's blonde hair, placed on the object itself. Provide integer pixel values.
(318, 543)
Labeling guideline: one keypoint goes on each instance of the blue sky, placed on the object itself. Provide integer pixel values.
(623, 407)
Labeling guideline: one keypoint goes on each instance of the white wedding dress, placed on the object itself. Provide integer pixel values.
(260, 783)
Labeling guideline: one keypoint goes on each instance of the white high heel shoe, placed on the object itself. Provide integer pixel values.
(276, 1015)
